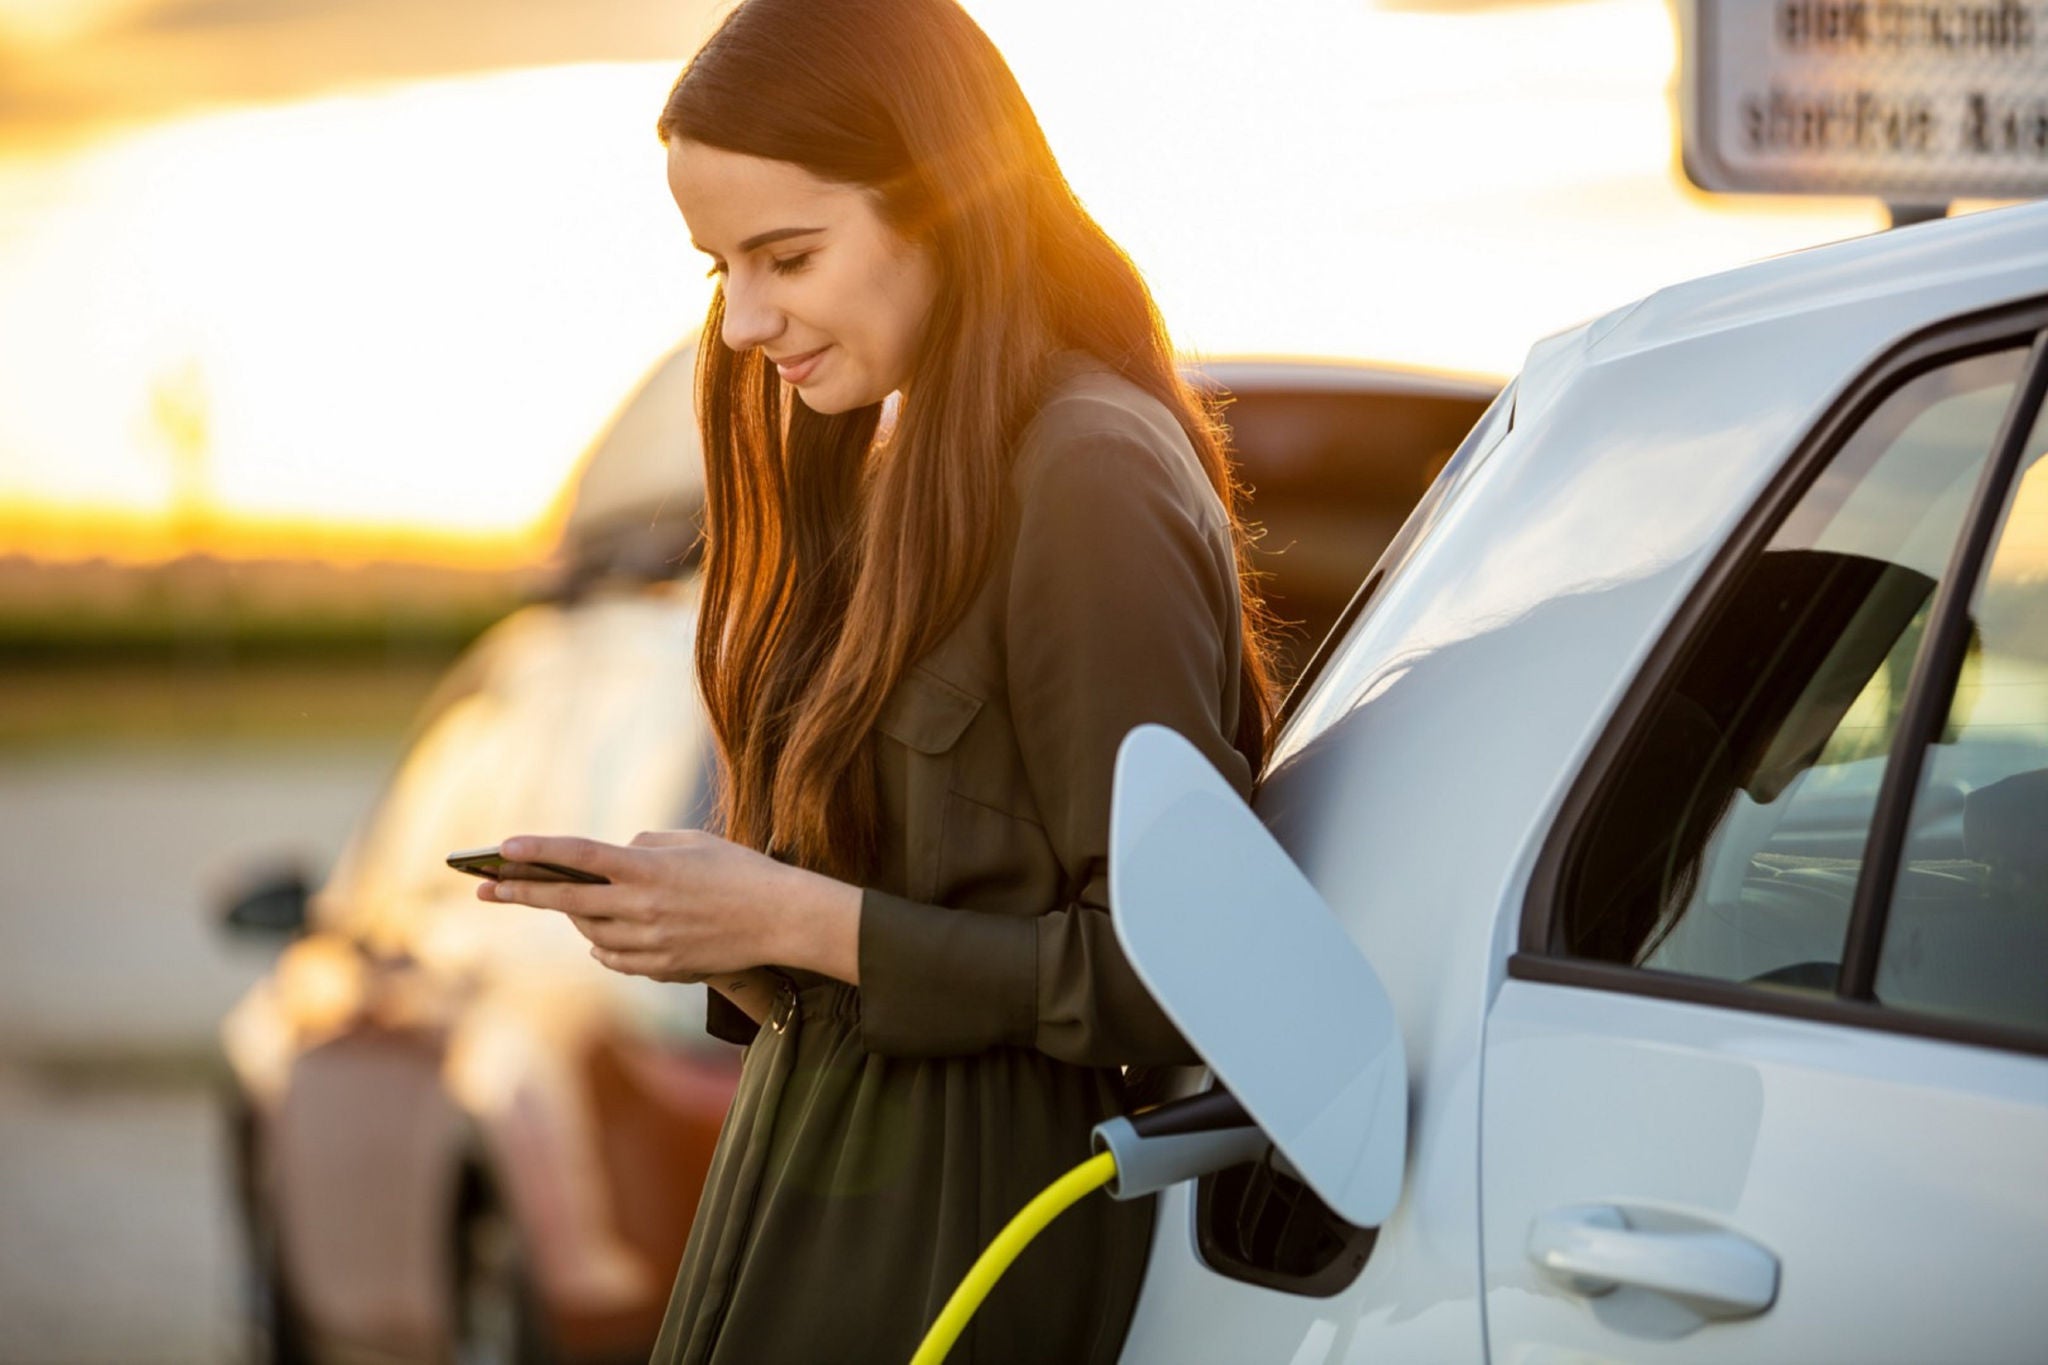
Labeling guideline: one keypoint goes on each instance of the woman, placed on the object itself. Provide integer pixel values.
(919, 650)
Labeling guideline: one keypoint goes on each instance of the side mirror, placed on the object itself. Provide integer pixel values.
(1251, 966)
(272, 902)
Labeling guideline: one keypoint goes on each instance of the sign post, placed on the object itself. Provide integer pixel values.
(1918, 102)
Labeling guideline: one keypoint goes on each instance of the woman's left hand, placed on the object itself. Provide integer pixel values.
(683, 904)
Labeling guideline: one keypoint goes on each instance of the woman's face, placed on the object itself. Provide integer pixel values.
(833, 295)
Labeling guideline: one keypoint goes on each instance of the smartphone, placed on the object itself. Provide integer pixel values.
(489, 863)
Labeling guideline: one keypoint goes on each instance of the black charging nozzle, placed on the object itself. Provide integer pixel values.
(1180, 1140)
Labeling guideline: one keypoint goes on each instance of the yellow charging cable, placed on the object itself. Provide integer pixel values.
(1052, 1201)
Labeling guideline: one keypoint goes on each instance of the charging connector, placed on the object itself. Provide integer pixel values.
(1181, 1140)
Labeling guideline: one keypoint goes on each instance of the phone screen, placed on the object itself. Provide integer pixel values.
(489, 863)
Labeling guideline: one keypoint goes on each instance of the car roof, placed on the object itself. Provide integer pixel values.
(1780, 335)
(639, 487)
(1946, 251)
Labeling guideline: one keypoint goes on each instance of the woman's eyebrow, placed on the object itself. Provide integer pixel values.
(761, 239)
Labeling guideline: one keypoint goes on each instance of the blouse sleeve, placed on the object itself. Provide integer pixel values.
(1122, 609)
(726, 1021)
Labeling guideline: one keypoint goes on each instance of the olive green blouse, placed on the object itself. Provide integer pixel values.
(883, 1134)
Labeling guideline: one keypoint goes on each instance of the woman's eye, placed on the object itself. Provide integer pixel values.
(789, 265)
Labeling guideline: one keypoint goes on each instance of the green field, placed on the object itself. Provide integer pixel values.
(296, 704)
(208, 653)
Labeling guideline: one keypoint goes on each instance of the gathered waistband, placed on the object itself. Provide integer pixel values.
(821, 997)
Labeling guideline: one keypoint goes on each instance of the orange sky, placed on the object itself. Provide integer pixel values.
(394, 308)
(71, 70)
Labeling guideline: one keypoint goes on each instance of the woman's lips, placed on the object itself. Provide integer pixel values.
(797, 368)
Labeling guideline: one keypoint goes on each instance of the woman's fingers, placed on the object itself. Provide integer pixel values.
(589, 855)
(641, 964)
(617, 934)
(574, 898)
(673, 910)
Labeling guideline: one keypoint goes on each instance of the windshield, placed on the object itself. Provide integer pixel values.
(1304, 714)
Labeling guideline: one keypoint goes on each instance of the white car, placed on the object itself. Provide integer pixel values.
(1675, 795)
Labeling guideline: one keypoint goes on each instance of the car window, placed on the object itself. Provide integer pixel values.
(1967, 930)
(1728, 843)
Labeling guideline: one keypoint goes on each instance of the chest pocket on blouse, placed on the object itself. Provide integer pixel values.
(927, 713)
(927, 716)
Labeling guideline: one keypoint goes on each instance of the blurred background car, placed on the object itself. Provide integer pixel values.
(451, 1127)
(453, 1132)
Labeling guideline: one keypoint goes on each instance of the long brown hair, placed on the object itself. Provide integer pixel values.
(827, 573)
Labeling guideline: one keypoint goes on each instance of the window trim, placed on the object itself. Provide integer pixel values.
(1616, 979)
(1537, 958)
(1929, 690)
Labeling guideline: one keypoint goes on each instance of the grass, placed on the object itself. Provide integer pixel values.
(296, 704)
(60, 634)
(152, 667)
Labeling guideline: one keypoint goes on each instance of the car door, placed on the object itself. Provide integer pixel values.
(1768, 1077)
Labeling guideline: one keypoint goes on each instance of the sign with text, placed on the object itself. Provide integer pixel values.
(1915, 101)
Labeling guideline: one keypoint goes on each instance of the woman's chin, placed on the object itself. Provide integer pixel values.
(823, 402)
(828, 400)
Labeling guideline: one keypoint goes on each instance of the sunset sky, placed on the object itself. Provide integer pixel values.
(332, 273)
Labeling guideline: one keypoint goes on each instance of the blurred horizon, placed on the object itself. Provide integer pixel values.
(354, 281)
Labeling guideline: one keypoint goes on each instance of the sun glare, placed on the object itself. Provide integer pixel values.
(404, 310)
(407, 311)
(1438, 188)
(49, 23)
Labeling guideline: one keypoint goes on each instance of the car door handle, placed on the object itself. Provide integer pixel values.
(1594, 1249)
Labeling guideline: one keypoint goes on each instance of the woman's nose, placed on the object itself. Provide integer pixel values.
(750, 320)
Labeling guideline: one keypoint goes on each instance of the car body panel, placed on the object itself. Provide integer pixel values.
(1416, 779)
(369, 1255)
(1866, 1163)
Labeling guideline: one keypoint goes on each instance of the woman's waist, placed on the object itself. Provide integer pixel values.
(821, 1001)
(818, 996)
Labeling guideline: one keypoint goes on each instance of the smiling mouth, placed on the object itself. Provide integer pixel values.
(797, 368)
